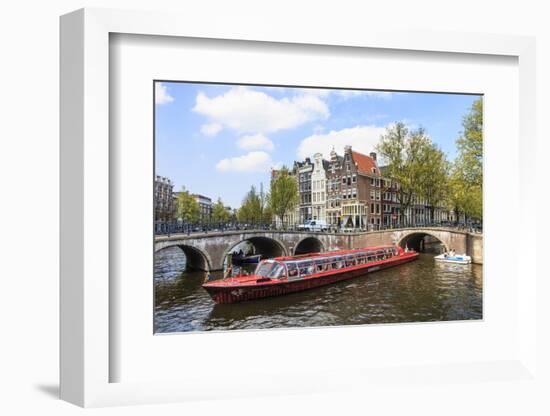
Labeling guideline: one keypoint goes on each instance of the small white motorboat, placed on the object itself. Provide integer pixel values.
(454, 258)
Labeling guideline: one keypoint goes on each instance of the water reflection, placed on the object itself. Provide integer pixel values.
(415, 292)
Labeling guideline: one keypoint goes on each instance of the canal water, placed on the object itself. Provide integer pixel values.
(419, 291)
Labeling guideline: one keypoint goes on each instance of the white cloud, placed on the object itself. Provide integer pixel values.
(355, 93)
(345, 94)
(255, 142)
(161, 94)
(211, 129)
(361, 138)
(250, 111)
(251, 162)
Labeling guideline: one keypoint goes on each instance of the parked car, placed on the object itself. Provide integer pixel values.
(313, 225)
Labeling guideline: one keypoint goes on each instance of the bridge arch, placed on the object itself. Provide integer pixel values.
(268, 247)
(195, 258)
(309, 245)
(416, 240)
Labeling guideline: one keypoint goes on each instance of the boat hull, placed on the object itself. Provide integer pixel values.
(239, 293)
(454, 260)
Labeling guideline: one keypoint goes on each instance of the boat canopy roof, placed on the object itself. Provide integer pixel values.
(299, 266)
(338, 255)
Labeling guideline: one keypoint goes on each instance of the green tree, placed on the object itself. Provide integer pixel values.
(187, 208)
(464, 197)
(466, 180)
(233, 215)
(433, 176)
(470, 144)
(251, 207)
(402, 150)
(283, 194)
(219, 212)
(266, 215)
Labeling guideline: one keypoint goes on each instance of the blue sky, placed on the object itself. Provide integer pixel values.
(218, 140)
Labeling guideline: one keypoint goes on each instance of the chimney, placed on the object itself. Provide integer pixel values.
(373, 156)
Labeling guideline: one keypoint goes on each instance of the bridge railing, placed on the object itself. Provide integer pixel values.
(178, 227)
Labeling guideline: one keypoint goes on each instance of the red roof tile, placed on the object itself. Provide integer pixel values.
(365, 164)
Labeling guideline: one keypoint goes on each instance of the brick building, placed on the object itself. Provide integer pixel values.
(334, 198)
(303, 171)
(354, 190)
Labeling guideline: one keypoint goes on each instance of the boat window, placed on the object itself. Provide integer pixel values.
(264, 268)
(292, 270)
(306, 268)
(278, 272)
(273, 270)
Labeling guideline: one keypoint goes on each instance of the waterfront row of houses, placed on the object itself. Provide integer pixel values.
(166, 200)
(351, 191)
(345, 191)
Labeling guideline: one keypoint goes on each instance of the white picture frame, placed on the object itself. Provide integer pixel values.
(86, 261)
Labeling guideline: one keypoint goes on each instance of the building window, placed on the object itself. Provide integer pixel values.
(354, 178)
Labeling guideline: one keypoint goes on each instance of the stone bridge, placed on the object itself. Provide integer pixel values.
(207, 251)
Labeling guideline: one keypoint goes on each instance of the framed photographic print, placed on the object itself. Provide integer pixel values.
(287, 211)
(309, 190)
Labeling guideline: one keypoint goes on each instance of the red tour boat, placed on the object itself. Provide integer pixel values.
(283, 275)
